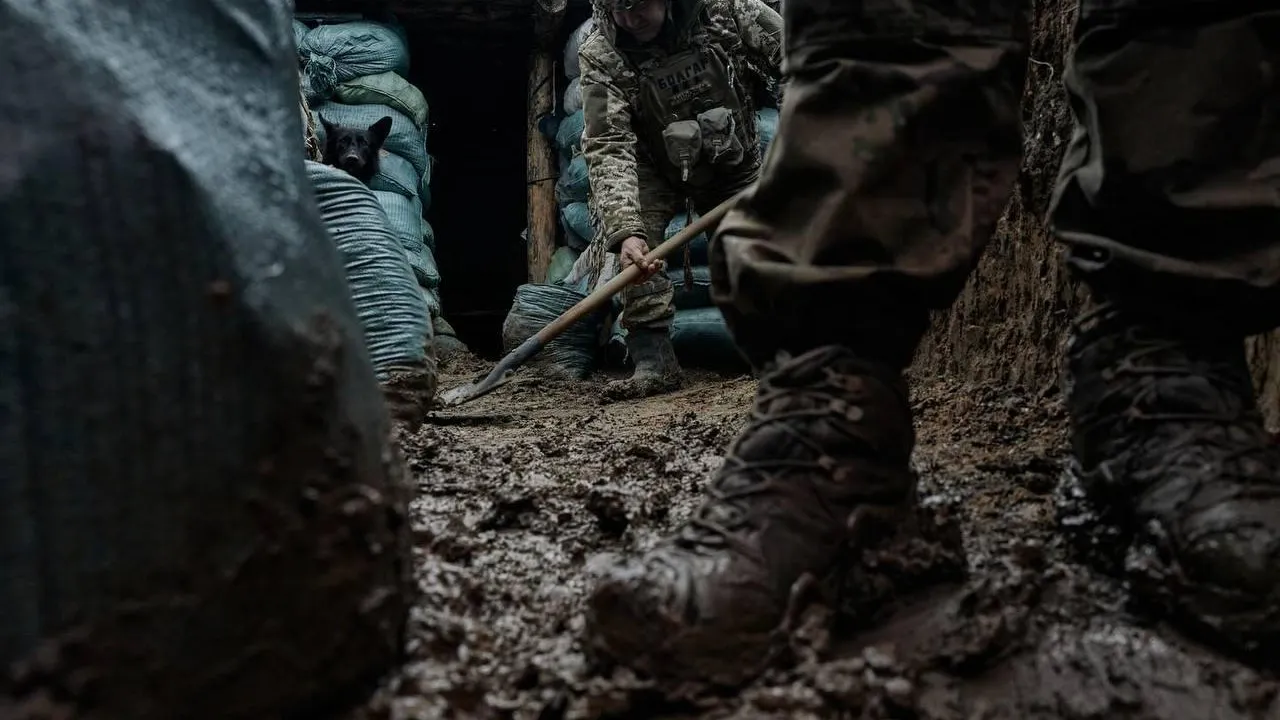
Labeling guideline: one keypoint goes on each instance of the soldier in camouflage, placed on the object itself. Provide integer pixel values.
(669, 107)
(899, 142)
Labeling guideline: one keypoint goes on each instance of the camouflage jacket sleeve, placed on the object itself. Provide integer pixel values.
(760, 28)
(609, 143)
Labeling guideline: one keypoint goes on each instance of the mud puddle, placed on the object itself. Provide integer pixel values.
(520, 491)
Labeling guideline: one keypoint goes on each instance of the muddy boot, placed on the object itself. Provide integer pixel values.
(1170, 448)
(829, 441)
(656, 369)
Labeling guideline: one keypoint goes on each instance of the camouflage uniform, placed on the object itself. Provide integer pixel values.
(896, 152)
(712, 54)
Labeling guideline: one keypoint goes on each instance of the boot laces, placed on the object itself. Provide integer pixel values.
(728, 506)
(1139, 381)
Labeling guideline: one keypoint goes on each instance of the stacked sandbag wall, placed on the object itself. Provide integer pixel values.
(573, 189)
(355, 73)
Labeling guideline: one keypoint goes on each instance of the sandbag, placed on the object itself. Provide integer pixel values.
(573, 96)
(573, 353)
(576, 220)
(405, 139)
(569, 135)
(561, 263)
(201, 515)
(424, 187)
(335, 54)
(574, 185)
(397, 321)
(572, 68)
(689, 297)
(767, 126)
(697, 246)
(405, 218)
(702, 340)
(387, 89)
(300, 31)
(397, 175)
(428, 235)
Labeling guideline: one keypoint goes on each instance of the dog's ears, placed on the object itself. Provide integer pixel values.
(379, 131)
(328, 126)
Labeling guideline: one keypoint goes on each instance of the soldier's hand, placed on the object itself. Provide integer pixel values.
(632, 252)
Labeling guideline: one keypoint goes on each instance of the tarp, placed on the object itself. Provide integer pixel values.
(200, 510)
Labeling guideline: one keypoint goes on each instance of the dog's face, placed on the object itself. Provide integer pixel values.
(355, 150)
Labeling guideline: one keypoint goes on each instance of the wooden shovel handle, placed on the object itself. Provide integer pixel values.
(604, 293)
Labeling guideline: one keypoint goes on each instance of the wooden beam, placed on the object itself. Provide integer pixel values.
(541, 166)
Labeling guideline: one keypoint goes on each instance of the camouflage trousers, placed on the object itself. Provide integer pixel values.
(649, 304)
(900, 140)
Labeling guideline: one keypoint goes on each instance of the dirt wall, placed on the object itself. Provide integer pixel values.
(1009, 325)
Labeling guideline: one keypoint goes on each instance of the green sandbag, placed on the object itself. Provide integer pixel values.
(562, 261)
(387, 89)
(702, 340)
(428, 235)
(405, 139)
(335, 54)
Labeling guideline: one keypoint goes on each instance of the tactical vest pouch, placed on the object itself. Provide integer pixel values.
(719, 137)
(683, 142)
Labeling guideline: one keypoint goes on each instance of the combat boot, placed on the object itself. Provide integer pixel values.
(656, 368)
(827, 446)
(1170, 448)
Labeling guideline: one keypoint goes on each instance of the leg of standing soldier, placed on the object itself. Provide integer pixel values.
(898, 145)
(648, 307)
(1169, 204)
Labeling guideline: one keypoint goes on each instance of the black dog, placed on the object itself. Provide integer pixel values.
(355, 151)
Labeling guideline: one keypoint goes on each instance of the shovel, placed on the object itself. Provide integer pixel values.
(584, 307)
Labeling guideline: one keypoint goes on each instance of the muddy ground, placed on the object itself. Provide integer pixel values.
(519, 491)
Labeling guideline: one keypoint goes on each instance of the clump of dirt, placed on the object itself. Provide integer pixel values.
(986, 614)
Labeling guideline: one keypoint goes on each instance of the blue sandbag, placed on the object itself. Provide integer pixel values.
(574, 185)
(570, 355)
(576, 220)
(396, 319)
(405, 139)
(767, 126)
(300, 31)
(333, 54)
(697, 246)
(405, 216)
(701, 339)
(397, 175)
(688, 298)
(562, 261)
(569, 135)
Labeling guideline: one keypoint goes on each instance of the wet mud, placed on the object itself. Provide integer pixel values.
(521, 493)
